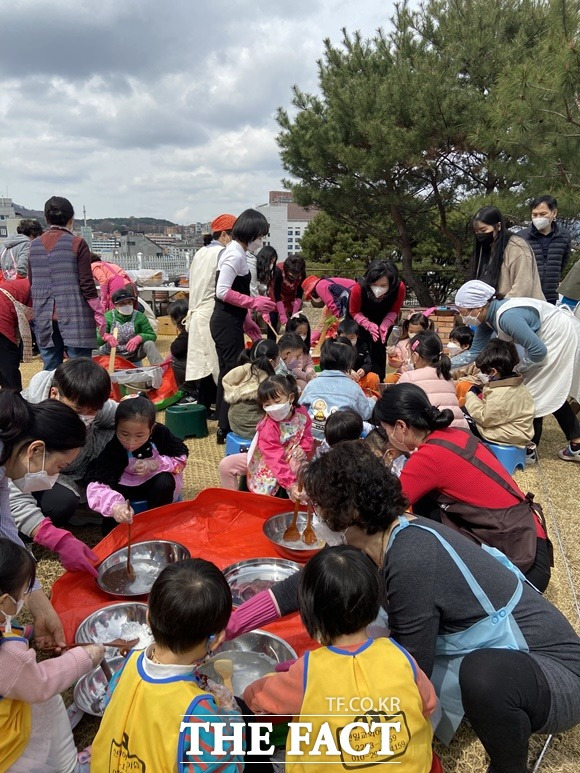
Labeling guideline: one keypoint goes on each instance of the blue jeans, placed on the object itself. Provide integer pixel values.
(53, 355)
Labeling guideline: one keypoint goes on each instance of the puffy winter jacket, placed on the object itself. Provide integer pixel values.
(14, 256)
(441, 393)
(241, 393)
(553, 261)
(504, 413)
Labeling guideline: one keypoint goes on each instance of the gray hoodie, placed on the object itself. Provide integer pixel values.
(14, 255)
(25, 510)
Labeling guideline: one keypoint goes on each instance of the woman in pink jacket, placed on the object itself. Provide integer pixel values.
(432, 372)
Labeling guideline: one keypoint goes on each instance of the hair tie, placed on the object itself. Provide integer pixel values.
(428, 312)
(415, 345)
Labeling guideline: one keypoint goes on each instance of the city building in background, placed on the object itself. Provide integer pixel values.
(288, 221)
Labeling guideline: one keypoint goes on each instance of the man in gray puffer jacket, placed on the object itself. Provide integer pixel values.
(84, 386)
(16, 248)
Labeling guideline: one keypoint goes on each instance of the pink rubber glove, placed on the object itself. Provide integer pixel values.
(384, 329)
(133, 343)
(110, 339)
(74, 554)
(259, 303)
(296, 306)
(251, 329)
(282, 316)
(259, 610)
(372, 328)
(284, 665)
(99, 314)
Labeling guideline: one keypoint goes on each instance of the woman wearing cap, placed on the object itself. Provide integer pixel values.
(231, 316)
(550, 336)
(375, 302)
(503, 259)
(64, 296)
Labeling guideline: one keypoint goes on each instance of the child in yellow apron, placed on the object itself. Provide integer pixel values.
(35, 733)
(365, 701)
(158, 696)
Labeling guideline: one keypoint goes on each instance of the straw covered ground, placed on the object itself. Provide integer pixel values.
(556, 485)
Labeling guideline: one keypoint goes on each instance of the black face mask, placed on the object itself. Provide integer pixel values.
(485, 239)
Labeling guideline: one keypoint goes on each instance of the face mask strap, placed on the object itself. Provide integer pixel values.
(43, 461)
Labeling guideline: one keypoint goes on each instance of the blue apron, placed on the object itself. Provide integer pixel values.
(498, 630)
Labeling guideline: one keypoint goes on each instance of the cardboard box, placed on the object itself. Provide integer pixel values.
(166, 327)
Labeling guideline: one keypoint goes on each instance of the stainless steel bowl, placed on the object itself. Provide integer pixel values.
(89, 692)
(147, 559)
(107, 624)
(275, 527)
(246, 578)
(253, 654)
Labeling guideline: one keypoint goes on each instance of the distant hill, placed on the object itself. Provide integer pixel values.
(107, 224)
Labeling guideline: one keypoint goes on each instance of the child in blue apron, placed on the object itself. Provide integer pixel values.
(143, 461)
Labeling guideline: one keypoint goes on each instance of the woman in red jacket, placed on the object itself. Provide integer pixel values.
(375, 302)
(453, 478)
(14, 328)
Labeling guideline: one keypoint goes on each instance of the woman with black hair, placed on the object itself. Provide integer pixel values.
(286, 291)
(502, 259)
(37, 441)
(375, 302)
(497, 651)
(452, 477)
(266, 261)
(231, 316)
(64, 295)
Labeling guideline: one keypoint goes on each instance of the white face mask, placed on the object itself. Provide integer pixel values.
(125, 310)
(484, 378)
(541, 222)
(257, 244)
(453, 348)
(278, 412)
(304, 338)
(470, 320)
(8, 618)
(36, 481)
(379, 291)
(86, 420)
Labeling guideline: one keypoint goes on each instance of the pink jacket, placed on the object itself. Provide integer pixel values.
(440, 392)
(23, 679)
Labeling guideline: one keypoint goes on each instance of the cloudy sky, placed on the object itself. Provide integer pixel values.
(162, 109)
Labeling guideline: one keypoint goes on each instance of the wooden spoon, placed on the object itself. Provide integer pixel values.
(130, 570)
(309, 535)
(113, 353)
(292, 534)
(123, 645)
(225, 668)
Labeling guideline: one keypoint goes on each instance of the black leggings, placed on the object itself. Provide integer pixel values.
(156, 491)
(58, 503)
(567, 420)
(227, 331)
(505, 698)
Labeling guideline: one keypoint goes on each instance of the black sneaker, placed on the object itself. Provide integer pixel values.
(221, 435)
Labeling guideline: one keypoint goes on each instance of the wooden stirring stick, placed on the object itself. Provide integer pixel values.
(292, 534)
(130, 570)
(113, 353)
(309, 535)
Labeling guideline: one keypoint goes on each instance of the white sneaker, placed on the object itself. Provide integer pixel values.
(531, 454)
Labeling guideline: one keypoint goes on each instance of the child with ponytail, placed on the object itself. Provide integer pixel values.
(432, 372)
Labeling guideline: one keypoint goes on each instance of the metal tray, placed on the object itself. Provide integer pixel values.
(89, 692)
(148, 559)
(275, 527)
(253, 654)
(246, 578)
(107, 623)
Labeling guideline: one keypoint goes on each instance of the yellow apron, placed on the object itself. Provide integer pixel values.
(139, 731)
(376, 683)
(14, 716)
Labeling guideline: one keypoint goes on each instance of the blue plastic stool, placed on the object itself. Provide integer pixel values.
(511, 457)
(236, 444)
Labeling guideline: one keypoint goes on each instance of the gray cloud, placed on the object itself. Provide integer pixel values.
(137, 107)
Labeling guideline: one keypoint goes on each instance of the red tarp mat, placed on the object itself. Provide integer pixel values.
(219, 525)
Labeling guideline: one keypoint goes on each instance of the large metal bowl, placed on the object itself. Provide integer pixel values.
(246, 578)
(253, 654)
(275, 527)
(107, 624)
(89, 692)
(147, 559)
